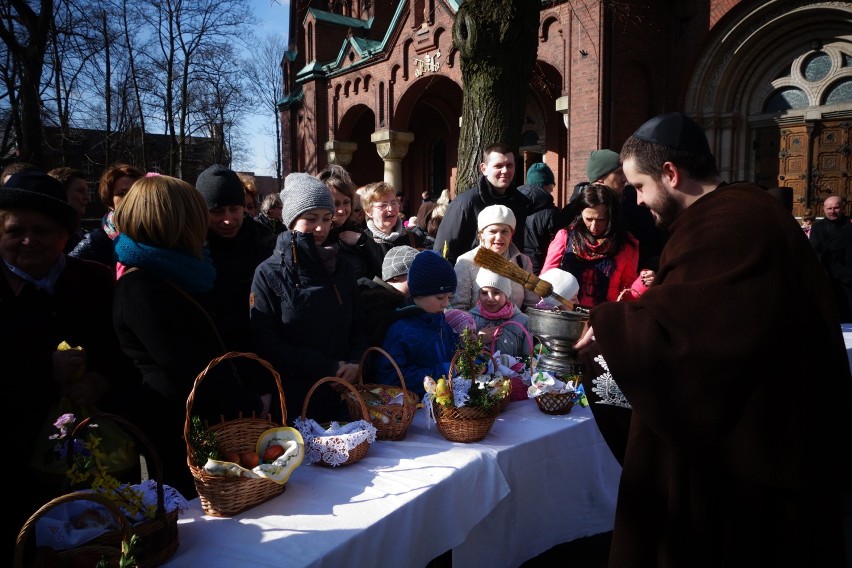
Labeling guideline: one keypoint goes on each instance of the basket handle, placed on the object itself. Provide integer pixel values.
(455, 359)
(155, 463)
(512, 322)
(187, 425)
(29, 525)
(389, 358)
(365, 414)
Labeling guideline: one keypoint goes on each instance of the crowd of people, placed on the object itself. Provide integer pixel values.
(698, 399)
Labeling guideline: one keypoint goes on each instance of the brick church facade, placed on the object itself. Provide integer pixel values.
(376, 86)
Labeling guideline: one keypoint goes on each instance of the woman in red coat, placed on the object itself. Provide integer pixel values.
(596, 248)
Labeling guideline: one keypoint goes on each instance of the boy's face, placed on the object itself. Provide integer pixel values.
(434, 304)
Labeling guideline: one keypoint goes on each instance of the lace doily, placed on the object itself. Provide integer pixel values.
(332, 445)
(606, 388)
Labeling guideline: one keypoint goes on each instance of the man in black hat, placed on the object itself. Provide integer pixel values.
(47, 298)
(727, 459)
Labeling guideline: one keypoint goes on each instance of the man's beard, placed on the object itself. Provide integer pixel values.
(665, 210)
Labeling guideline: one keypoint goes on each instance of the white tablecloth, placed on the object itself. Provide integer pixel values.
(534, 482)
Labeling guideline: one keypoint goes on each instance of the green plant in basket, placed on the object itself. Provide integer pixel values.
(88, 467)
(484, 389)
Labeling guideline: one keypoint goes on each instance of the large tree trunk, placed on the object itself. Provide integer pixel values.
(30, 57)
(498, 43)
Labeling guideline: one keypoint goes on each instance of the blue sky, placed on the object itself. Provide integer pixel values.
(273, 20)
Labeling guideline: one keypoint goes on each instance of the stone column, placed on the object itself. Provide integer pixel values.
(392, 147)
(339, 152)
(563, 106)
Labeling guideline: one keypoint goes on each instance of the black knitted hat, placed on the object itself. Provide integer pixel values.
(430, 274)
(220, 187)
(36, 191)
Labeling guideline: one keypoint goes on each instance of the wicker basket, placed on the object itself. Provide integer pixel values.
(358, 451)
(555, 403)
(106, 545)
(158, 537)
(224, 496)
(464, 424)
(391, 420)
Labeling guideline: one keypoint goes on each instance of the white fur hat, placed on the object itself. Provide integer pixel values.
(563, 284)
(487, 278)
(494, 214)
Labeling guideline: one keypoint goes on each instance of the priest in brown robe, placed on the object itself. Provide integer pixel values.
(725, 390)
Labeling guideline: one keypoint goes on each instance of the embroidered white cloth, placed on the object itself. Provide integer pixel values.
(332, 445)
(606, 387)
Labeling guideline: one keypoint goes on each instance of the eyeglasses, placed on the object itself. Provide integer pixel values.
(385, 204)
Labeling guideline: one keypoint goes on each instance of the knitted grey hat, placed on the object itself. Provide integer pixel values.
(397, 261)
(301, 193)
(220, 187)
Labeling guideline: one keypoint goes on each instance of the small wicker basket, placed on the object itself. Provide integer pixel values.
(158, 537)
(555, 403)
(313, 442)
(107, 545)
(391, 420)
(224, 496)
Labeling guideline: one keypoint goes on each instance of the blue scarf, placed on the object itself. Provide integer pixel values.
(192, 274)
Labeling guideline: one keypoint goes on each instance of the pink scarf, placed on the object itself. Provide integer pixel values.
(503, 313)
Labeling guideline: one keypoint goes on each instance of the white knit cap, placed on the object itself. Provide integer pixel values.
(494, 214)
(563, 284)
(487, 278)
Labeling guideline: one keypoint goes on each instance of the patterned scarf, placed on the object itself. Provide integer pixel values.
(581, 256)
(503, 313)
(192, 274)
(109, 226)
(388, 238)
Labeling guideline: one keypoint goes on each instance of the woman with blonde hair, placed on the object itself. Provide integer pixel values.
(161, 316)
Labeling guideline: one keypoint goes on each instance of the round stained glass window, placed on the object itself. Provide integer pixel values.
(817, 66)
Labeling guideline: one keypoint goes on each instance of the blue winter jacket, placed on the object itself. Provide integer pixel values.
(421, 344)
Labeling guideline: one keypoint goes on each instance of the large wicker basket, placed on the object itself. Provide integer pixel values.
(464, 424)
(391, 420)
(108, 545)
(224, 496)
(355, 453)
(158, 537)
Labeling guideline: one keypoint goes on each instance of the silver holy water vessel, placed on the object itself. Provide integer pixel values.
(558, 330)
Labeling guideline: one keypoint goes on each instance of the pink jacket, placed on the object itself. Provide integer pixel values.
(626, 266)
